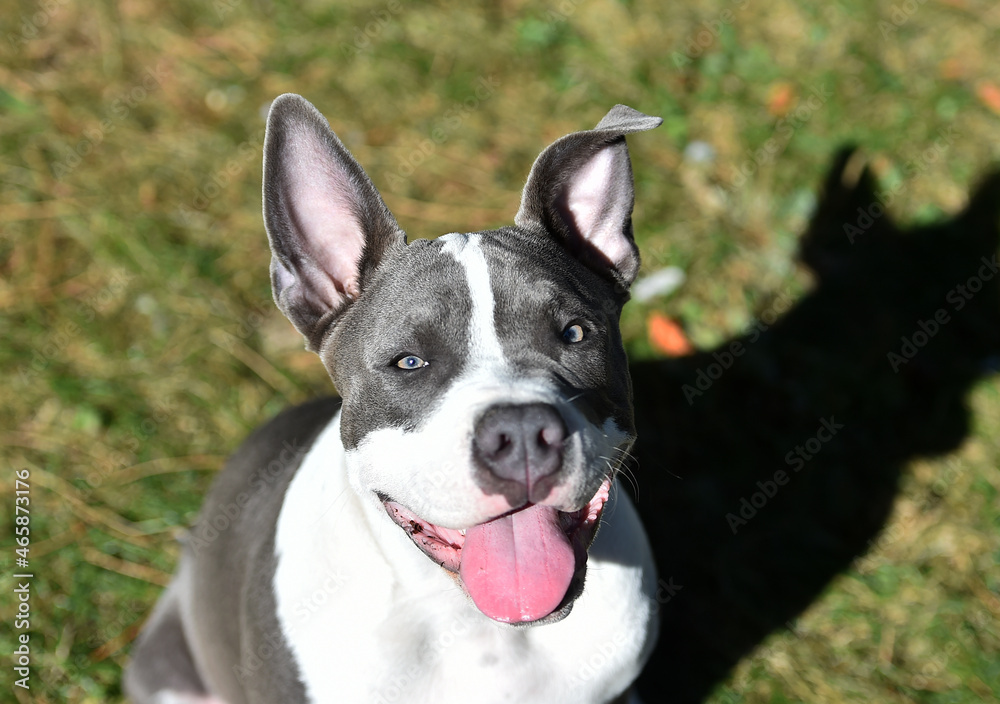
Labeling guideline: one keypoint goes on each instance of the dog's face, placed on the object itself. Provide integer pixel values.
(486, 398)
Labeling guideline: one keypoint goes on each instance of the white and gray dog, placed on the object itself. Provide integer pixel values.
(436, 534)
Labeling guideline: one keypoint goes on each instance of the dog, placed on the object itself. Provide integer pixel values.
(450, 530)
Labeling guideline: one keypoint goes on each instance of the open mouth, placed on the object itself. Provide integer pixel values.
(519, 567)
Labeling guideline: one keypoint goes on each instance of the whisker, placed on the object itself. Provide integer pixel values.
(611, 493)
(626, 454)
(624, 470)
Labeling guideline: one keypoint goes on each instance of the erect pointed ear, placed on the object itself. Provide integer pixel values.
(580, 190)
(980, 221)
(848, 212)
(326, 222)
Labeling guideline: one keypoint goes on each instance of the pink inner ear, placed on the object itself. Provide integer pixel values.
(600, 206)
(322, 201)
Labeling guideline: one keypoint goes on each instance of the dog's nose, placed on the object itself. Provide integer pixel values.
(522, 443)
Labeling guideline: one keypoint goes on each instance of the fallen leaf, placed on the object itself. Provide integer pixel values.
(780, 98)
(667, 336)
(989, 95)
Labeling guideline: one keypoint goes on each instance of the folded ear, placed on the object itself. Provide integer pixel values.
(580, 190)
(327, 224)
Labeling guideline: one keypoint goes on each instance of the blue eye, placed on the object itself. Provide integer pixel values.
(573, 333)
(411, 361)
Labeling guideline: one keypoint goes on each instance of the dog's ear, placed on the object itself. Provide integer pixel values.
(580, 189)
(327, 224)
(848, 210)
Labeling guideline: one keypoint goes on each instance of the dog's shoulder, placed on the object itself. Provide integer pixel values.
(251, 485)
(274, 451)
(231, 555)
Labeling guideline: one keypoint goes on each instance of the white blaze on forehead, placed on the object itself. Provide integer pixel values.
(483, 341)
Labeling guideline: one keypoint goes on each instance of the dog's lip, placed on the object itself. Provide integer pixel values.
(444, 545)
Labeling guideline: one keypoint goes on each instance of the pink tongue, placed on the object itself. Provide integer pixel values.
(518, 567)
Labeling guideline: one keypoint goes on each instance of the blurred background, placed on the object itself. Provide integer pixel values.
(139, 343)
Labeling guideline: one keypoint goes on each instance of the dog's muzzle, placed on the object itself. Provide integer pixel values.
(519, 451)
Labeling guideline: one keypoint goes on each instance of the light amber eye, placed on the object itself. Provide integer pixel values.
(411, 361)
(573, 333)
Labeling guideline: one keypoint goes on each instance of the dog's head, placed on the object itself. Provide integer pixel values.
(486, 396)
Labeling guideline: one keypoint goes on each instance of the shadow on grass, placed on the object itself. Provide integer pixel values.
(762, 483)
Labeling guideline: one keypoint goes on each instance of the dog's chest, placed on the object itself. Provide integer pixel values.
(369, 618)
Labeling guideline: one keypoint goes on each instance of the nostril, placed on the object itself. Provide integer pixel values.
(550, 436)
(496, 445)
(503, 442)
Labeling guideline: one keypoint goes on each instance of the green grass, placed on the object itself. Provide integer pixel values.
(140, 343)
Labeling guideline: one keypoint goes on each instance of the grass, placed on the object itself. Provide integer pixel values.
(141, 345)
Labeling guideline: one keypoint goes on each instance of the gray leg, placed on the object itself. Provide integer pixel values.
(162, 670)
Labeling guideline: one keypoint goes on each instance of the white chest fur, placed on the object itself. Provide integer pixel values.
(370, 620)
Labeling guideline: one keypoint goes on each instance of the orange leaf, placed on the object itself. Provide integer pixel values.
(989, 94)
(780, 98)
(667, 336)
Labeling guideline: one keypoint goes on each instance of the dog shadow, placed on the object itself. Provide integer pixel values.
(768, 465)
